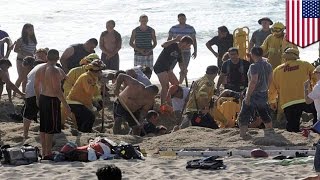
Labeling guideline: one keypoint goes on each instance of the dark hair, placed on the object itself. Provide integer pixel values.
(109, 171)
(187, 39)
(153, 88)
(24, 34)
(151, 113)
(147, 71)
(181, 15)
(143, 16)
(112, 22)
(5, 61)
(93, 41)
(53, 55)
(257, 51)
(119, 72)
(223, 29)
(212, 70)
(28, 61)
(233, 49)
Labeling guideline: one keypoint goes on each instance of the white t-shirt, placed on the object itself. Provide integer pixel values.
(30, 81)
(315, 96)
(142, 77)
(177, 103)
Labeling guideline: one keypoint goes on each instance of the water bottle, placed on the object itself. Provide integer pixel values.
(317, 158)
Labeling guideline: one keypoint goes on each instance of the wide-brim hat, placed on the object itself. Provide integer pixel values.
(265, 19)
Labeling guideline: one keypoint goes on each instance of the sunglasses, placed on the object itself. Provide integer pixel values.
(316, 72)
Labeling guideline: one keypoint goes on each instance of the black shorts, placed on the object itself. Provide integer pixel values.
(84, 117)
(50, 114)
(30, 109)
(120, 112)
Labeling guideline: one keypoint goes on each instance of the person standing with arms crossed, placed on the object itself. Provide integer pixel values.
(49, 95)
(143, 40)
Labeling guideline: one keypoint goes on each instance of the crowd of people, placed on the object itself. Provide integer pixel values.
(272, 78)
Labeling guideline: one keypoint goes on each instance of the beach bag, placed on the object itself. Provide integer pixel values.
(203, 120)
(210, 163)
(19, 156)
(127, 151)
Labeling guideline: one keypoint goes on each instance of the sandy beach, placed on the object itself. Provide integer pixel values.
(156, 166)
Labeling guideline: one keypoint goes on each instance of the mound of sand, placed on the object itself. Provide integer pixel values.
(11, 133)
(155, 166)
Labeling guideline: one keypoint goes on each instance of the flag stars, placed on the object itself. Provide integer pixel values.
(311, 8)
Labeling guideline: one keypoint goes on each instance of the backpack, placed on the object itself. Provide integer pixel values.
(24, 155)
(127, 151)
(210, 163)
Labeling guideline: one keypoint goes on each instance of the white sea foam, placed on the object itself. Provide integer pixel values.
(60, 23)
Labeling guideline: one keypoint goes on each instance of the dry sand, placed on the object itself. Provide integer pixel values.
(156, 166)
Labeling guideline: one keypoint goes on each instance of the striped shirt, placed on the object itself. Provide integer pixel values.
(3, 34)
(182, 31)
(30, 47)
(143, 39)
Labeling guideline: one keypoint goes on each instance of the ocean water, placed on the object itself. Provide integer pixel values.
(60, 23)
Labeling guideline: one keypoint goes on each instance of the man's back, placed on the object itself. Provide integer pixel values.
(49, 77)
(263, 69)
(289, 78)
(203, 91)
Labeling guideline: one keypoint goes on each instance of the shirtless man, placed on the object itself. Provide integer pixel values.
(138, 99)
(48, 82)
(110, 44)
(4, 76)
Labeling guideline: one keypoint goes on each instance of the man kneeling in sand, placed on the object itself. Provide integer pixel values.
(200, 99)
(48, 82)
(133, 103)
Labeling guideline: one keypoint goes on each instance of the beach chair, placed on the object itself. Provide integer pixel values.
(241, 41)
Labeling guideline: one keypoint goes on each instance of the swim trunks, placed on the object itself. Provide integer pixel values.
(50, 114)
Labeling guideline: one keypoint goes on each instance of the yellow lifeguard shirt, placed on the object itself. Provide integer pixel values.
(287, 84)
(203, 91)
(273, 47)
(84, 89)
(71, 79)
